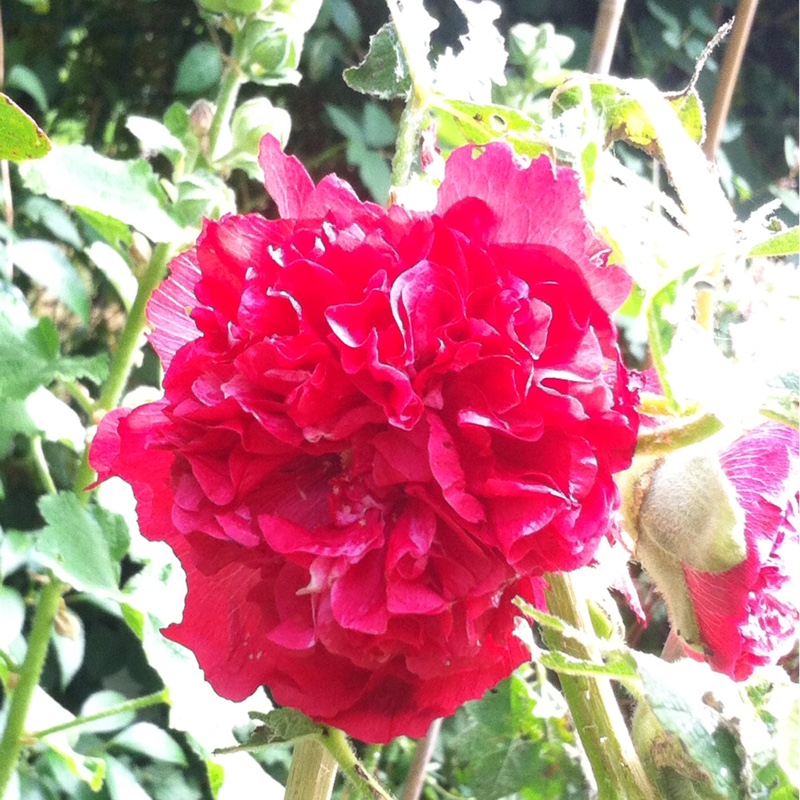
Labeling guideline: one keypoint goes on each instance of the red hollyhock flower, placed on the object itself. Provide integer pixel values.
(378, 428)
(748, 616)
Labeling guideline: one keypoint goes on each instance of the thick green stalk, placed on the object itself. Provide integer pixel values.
(128, 346)
(11, 743)
(595, 711)
(312, 772)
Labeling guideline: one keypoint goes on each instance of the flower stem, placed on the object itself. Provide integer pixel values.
(11, 743)
(619, 773)
(40, 462)
(232, 80)
(362, 781)
(678, 432)
(122, 361)
(409, 132)
(130, 705)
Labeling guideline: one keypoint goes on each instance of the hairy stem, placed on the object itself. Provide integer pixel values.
(20, 702)
(597, 716)
(365, 784)
(409, 132)
(130, 705)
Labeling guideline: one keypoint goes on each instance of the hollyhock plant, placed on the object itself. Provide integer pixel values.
(748, 616)
(378, 428)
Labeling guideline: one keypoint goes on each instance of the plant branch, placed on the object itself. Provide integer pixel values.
(606, 30)
(619, 773)
(729, 74)
(415, 781)
(129, 705)
(20, 702)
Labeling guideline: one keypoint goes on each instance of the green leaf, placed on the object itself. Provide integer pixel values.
(82, 546)
(280, 725)
(702, 716)
(199, 70)
(383, 72)
(785, 243)
(379, 129)
(617, 665)
(691, 114)
(50, 214)
(149, 740)
(12, 616)
(62, 760)
(26, 80)
(116, 270)
(514, 740)
(155, 137)
(128, 191)
(103, 701)
(29, 358)
(481, 124)
(20, 137)
(661, 331)
(121, 783)
(48, 265)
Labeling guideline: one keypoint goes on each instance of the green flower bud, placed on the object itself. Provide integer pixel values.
(271, 52)
(255, 118)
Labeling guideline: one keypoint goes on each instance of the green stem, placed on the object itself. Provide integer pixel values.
(362, 781)
(129, 705)
(11, 743)
(122, 361)
(678, 432)
(42, 470)
(595, 711)
(413, 118)
(232, 80)
(409, 132)
(78, 393)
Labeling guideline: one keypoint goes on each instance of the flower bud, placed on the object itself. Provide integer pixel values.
(690, 511)
(271, 52)
(255, 118)
(201, 117)
(717, 533)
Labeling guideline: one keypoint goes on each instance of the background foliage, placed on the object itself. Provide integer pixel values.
(83, 69)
